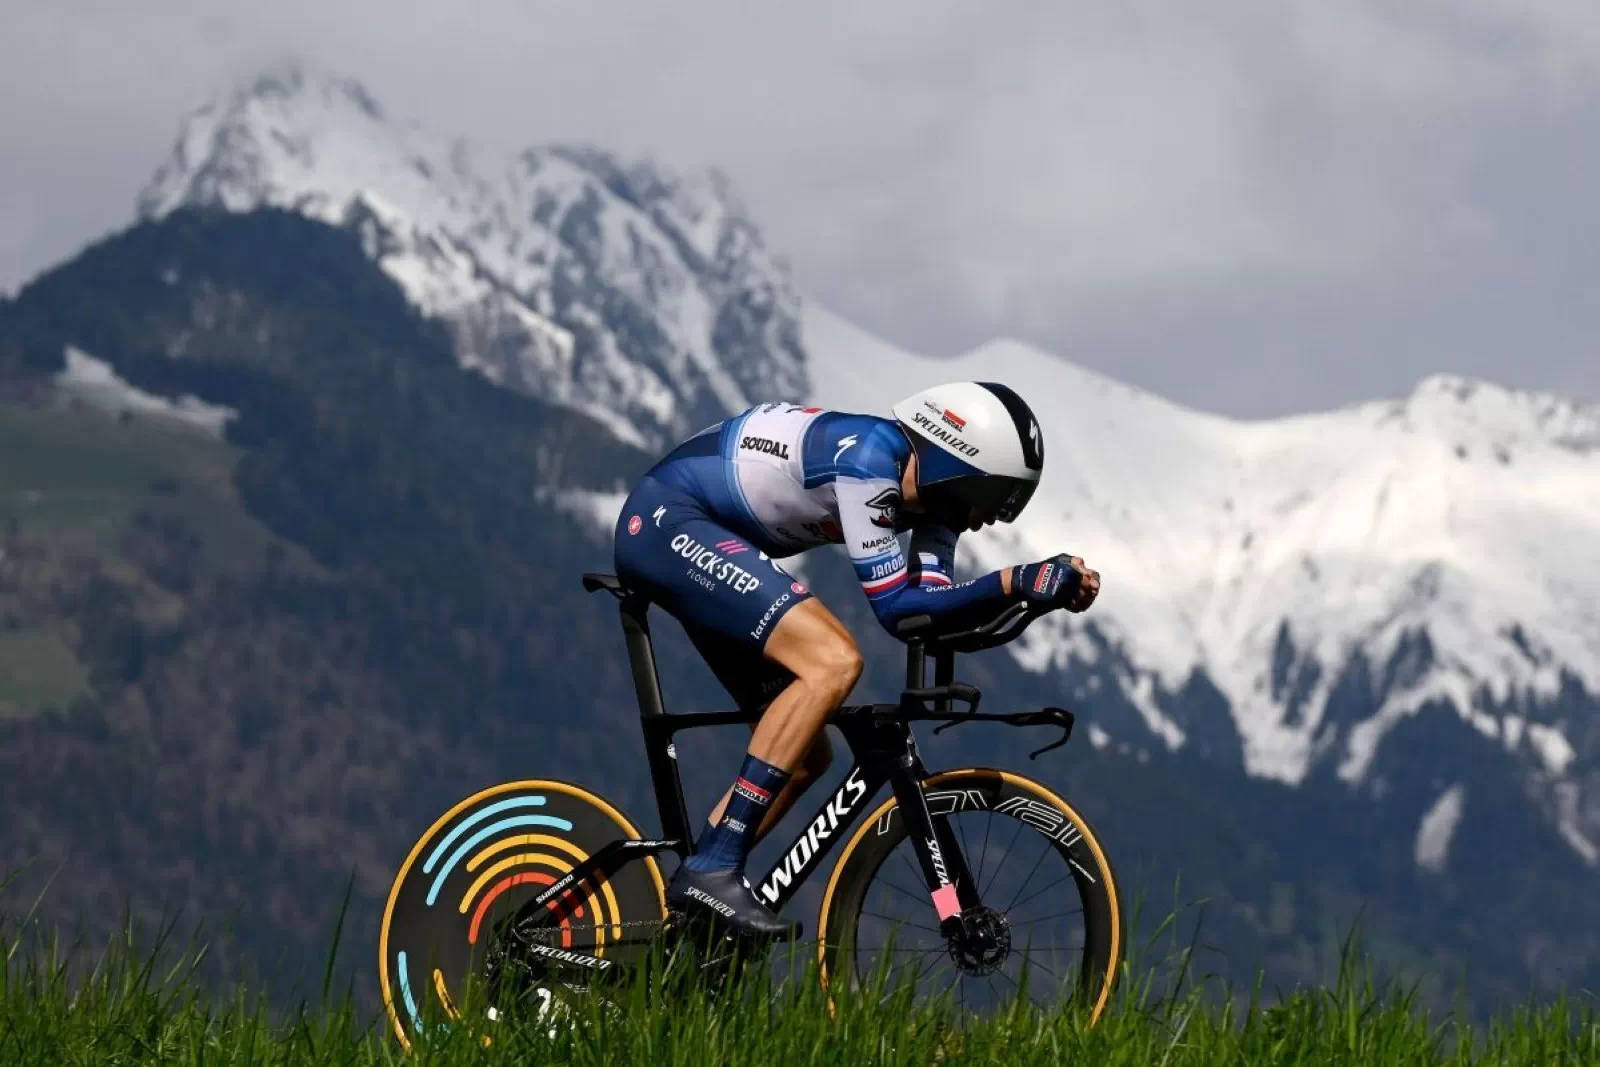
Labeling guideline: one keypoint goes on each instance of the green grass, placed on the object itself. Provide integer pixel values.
(121, 1006)
(73, 446)
(38, 670)
(76, 476)
(79, 471)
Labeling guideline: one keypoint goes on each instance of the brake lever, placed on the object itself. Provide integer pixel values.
(972, 708)
(1036, 753)
(1050, 717)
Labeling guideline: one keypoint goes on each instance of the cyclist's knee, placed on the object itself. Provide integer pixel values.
(834, 665)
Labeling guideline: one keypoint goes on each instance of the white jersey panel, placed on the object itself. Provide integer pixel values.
(769, 466)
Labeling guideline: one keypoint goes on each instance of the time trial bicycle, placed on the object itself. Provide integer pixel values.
(976, 882)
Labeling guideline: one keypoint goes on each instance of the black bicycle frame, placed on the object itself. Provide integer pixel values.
(880, 739)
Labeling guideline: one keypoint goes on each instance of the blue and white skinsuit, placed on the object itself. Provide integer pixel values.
(701, 533)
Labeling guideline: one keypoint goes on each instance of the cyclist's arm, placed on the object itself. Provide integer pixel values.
(932, 555)
(867, 508)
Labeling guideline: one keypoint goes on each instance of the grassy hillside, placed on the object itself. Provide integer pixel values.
(89, 503)
(238, 673)
(124, 1006)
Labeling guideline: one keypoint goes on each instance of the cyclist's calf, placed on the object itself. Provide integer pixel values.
(813, 645)
(816, 763)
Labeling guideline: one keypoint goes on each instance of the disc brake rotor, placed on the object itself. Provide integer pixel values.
(984, 942)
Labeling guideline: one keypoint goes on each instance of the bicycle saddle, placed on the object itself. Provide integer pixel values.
(594, 581)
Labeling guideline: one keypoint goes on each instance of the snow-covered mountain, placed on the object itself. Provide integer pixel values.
(1441, 549)
(644, 298)
(1328, 575)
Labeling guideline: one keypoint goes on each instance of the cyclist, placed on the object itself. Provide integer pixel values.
(701, 534)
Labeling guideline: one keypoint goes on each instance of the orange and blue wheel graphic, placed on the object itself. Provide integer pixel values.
(481, 862)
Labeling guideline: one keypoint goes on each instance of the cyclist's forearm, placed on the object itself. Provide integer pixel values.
(948, 605)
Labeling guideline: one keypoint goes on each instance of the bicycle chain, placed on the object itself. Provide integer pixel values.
(543, 934)
(546, 936)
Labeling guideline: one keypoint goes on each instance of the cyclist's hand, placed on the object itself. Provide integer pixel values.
(1088, 585)
(1061, 582)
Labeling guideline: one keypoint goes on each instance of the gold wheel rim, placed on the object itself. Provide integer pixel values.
(1038, 790)
(545, 784)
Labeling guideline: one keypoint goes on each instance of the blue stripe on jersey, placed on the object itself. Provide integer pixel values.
(879, 567)
(731, 431)
(926, 570)
(817, 450)
(877, 588)
(881, 574)
(707, 442)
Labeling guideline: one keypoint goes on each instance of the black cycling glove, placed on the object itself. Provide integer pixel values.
(1049, 583)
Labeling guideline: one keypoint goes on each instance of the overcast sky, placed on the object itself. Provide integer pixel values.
(1253, 208)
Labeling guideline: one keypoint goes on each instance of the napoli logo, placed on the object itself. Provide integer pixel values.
(885, 506)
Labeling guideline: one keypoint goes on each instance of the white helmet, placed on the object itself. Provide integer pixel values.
(977, 445)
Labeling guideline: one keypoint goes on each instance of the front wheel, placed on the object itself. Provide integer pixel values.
(1041, 916)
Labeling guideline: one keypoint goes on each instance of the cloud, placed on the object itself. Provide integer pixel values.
(1250, 207)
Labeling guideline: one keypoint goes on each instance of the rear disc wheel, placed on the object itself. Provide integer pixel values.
(474, 870)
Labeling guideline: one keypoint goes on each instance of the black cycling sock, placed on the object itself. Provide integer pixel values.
(725, 846)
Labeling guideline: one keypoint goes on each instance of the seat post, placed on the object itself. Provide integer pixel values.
(658, 750)
(915, 662)
(944, 673)
(641, 655)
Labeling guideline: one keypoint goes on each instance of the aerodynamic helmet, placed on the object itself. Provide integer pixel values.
(977, 446)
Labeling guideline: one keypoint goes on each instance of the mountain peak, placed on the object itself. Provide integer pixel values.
(1495, 417)
(281, 126)
(1331, 574)
(535, 257)
(292, 80)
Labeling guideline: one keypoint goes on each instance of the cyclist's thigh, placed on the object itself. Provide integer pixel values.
(748, 676)
(727, 593)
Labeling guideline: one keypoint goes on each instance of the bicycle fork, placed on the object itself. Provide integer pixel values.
(945, 874)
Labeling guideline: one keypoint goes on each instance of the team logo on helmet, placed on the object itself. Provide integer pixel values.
(635, 524)
(939, 433)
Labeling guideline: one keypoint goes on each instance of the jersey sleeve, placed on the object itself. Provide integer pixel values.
(932, 556)
(869, 505)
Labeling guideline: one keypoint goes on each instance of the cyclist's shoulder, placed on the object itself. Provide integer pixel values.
(856, 445)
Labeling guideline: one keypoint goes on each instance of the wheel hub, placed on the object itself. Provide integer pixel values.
(983, 943)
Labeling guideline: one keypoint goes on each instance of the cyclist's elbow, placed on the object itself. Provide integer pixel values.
(891, 611)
